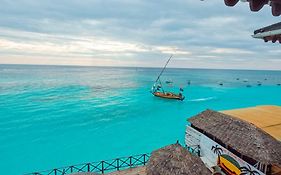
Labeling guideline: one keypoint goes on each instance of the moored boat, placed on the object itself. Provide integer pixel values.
(169, 95)
(158, 91)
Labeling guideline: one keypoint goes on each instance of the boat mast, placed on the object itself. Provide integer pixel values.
(163, 68)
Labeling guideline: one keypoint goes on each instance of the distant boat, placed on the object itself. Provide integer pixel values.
(221, 83)
(158, 91)
(245, 80)
(237, 78)
(169, 82)
(278, 84)
(188, 82)
(249, 85)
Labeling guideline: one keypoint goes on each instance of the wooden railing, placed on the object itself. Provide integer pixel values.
(99, 167)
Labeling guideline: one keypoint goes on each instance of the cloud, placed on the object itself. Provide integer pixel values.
(232, 51)
(133, 33)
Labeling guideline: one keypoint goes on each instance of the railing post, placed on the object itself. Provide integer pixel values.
(102, 167)
(63, 172)
(88, 167)
(117, 161)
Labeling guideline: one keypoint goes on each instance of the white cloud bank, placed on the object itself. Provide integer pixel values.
(139, 33)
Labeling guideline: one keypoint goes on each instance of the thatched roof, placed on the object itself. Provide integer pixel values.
(173, 160)
(243, 137)
(85, 173)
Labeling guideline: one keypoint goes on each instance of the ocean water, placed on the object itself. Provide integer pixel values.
(53, 116)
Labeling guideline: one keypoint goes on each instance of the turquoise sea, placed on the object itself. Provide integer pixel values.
(53, 116)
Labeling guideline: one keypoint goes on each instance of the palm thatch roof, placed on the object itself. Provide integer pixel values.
(239, 136)
(173, 160)
(85, 173)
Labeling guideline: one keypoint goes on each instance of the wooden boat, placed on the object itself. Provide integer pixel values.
(169, 95)
(158, 91)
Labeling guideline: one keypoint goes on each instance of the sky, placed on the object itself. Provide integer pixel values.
(136, 33)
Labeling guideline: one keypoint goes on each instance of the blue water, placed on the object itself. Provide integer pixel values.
(52, 116)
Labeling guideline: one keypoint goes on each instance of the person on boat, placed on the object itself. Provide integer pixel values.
(159, 87)
(156, 88)
(180, 93)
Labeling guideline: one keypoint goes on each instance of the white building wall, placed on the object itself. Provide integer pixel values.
(207, 155)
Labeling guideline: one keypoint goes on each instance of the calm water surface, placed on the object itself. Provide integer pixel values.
(52, 116)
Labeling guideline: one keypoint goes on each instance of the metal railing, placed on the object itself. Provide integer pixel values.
(99, 167)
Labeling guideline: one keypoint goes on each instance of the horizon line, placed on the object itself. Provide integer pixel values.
(105, 66)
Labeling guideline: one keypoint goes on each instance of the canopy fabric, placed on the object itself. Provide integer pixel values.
(256, 5)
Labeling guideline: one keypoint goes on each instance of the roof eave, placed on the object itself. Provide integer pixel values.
(266, 34)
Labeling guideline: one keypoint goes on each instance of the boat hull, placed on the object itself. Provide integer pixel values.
(168, 95)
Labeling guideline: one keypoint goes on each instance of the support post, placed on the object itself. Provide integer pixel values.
(88, 167)
(117, 162)
(130, 161)
(102, 167)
